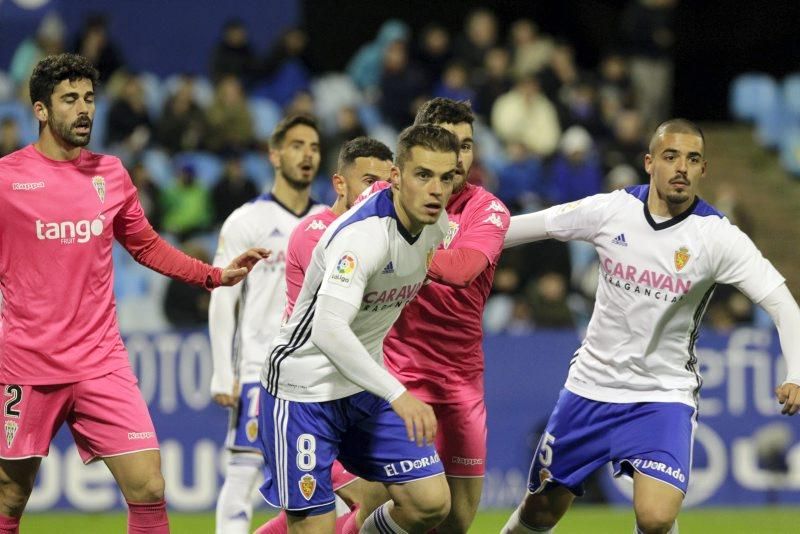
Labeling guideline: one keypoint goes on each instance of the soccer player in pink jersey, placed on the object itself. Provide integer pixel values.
(434, 348)
(362, 162)
(61, 354)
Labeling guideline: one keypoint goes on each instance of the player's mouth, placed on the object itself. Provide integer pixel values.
(680, 182)
(433, 208)
(307, 169)
(82, 127)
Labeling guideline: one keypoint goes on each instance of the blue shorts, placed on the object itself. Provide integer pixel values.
(653, 438)
(243, 422)
(302, 439)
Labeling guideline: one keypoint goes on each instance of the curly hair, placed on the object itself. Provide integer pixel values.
(52, 70)
(441, 110)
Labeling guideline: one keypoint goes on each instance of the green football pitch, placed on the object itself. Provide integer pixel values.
(580, 520)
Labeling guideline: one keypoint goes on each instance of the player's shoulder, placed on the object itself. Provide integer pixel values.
(373, 213)
(14, 159)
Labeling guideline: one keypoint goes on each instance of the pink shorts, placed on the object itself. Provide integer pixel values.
(107, 416)
(341, 477)
(461, 437)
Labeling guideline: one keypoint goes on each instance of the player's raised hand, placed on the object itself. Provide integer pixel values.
(419, 418)
(243, 264)
(789, 395)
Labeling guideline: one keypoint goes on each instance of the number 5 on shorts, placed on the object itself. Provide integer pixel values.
(306, 447)
(15, 392)
(545, 450)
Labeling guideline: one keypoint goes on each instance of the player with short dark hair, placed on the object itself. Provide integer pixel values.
(435, 347)
(633, 387)
(326, 393)
(61, 354)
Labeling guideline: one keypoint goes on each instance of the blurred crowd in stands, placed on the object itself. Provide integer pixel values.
(548, 131)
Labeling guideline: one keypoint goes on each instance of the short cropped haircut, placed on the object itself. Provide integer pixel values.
(441, 110)
(676, 126)
(289, 122)
(362, 147)
(427, 136)
(52, 70)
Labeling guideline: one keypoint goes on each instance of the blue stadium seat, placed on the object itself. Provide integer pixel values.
(791, 95)
(266, 115)
(159, 164)
(100, 124)
(28, 130)
(257, 167)
(771, 124)
(6, 87)
(753, 94)
(203, 88)
(155, 93)
(207, 166)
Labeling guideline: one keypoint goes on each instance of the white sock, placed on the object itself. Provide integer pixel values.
(673, 530)
(514, 525)
(235, 502)
(341, 506)
(380, 522)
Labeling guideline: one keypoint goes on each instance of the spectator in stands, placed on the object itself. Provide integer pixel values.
(93, 43)
(366, 66)
(492, 81)
(614, 86)
(531, 50)
(186, 306)
(181, 125)
(525, 115)
(232, 190)
(228, 119)
(647, 31)
(521, 181)
(455, 83)
(401, 87)
(480, 35)
(547, 298)
(149, 194)
(628, 145)
(187, 206)
(129, 125)
(301, 104)
(560, 73)
(234, 54)
(49, 39)
(579, 107)
(286, 70)
(433, 53)
(9, 136)
(348, 126)
(576, 172)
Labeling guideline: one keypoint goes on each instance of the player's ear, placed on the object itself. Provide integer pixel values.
(394, 177)
(40, 111)
(275, 157)
(648, 163)
(339, 185)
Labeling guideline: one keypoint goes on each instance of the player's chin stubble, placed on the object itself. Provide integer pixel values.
(65, 132)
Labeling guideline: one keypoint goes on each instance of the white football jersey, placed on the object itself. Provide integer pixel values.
(240, 337)
(656, 280)
(365, 258)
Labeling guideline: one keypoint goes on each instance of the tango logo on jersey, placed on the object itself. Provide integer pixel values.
(27, 186)
(452, 230)
(11, 431)
(99, 184)
(495, 220)
(343, 272)
(682, 258)
(69, 232)
(316, 224)
(308, 484)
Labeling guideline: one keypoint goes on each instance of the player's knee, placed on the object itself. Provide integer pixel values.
(430, 506)
(654, 519)
(535, 513)
(14, 496)
(150, 489)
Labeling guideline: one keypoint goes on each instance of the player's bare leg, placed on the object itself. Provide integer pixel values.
(656, 504)
(366, 495)
(465, 496)
(416, 507)
(139, 477)
(16, 484)
(312, 524)
(539, 512)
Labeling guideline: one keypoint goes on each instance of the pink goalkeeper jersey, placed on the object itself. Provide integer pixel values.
(434, 348)
(304, 238)
(57, 225)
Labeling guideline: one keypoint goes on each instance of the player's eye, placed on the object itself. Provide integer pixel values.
(467, 147)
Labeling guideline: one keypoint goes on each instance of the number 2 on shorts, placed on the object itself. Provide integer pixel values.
(15, 392)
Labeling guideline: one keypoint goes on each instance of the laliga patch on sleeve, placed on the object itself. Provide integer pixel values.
(345, 269)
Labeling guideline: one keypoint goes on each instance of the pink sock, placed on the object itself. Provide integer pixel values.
(9, 525)
(276, 525)
(347, 524)
(148, 518)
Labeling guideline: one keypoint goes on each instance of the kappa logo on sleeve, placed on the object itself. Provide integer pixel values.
(495, 220)
(345, 269)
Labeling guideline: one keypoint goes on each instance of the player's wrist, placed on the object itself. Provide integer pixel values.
(214, 278)
(394, 395)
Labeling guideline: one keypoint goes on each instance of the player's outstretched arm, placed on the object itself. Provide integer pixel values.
(526, 228)
(784, 311)
(242, 265)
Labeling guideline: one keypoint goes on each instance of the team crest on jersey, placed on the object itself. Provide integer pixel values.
(343, 272)
(451, 233)
(251, 429)
(11, 431)
(99, 184)
(308, 484)
(682, 258)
